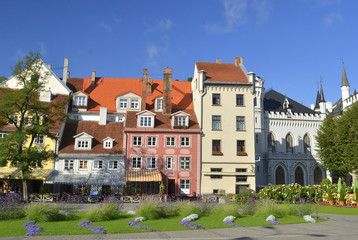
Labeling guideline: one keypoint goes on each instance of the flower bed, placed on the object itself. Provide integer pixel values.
(136, 225)
(86, 224)
(32, 228)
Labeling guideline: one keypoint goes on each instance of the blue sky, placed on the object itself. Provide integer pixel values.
(289, 43)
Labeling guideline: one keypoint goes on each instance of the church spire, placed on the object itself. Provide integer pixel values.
(322, 95)
(344, 78)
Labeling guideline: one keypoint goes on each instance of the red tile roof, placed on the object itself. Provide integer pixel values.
(99, 132)
(222, 72)
(161, 121)
(105, 90)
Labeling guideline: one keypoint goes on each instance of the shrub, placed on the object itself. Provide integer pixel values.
(300, 209)
(342, 194)
(266, 207)
(185, 208)
(40, 212)
(329, 194)
(326, 181)
(224, 210)
(109, 209)
(244, 196)
(11, 206)
(151, 209)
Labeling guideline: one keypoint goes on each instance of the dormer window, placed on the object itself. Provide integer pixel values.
(145, 119)
(128, 101)
(80, 100)
(123, 103)
(159, 104)
(83, 141)
(108, 143)
(180, 120)
(134, 104)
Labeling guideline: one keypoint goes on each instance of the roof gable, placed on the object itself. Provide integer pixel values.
(83, 135)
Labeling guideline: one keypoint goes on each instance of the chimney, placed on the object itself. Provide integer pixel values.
(68, 74)
(49, 65)
(251, 79)
(149, 85)
(218, 60)
(239, 60)
(144, 88)
(93, 80)
(65, 69)
(167, 90)
(102, 116)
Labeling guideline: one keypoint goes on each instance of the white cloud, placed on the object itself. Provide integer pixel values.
(19, 54)
(263, 9)
(105, 26)
(43, 49)
(164, 24)
(333, 18)
(153, 54)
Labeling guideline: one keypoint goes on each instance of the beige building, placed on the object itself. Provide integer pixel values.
(223, 95)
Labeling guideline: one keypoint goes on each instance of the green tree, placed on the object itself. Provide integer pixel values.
(337, 141)
(28, 117)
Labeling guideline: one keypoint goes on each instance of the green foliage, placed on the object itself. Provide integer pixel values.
(2, 79)
(224, 210)
(300, 209)
(337, 142)
(185, 208)
(329, 194)
(342, 193)
(46, 213)
(152, 209)
(161, 188)
(267, 207)
(105, 211)
(245, 195)
(326, 181)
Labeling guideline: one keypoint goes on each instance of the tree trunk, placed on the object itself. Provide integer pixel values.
(25, 194)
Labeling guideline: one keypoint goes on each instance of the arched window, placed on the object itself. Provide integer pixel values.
(307, 144)
(317, 176)
(271, 142)
(280, 175)
(289, 143)
(299, 176)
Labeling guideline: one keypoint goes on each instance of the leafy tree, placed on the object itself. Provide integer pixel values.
(2, 79)
(337, 141)
(28, 117)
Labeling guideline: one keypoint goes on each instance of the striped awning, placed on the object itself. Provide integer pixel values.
(6, 172)
(36, 174)
(138, 175)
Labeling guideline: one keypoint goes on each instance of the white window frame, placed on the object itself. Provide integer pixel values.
(134, 103)
(39, 140)
(137, 164)
(68, 165)
(184, 163)
(151, 141)
(171, 140)
(135, 141)
(3, 135)
(145, 121)
(159, 104)
(180, 121)
(151, 162)
(83, 165)
(80, 101)
(113, 164)
(98, 164)
(108, 144)
(185, 186)
(123, 103)
(169, 163)
(82, 144)
(185, 141)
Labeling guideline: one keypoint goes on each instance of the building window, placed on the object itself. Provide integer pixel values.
(256, 138)
(299, 176)
(169, 163)
(271, 142)
(241, 178)
(68, 164)
(216, 99)
(240, 123)
(2, 135)
(151, 187)
(185, 141)
(184, 163)
(170, 141)
(159, 104)
(98, 164)
(216, 169)
(151, 163)
(240, 147)
(145, 121)
(289, 144)
(317, 176)
(134, 104)
(40, 139)
(307, 144)
(216, 176)
(28, 121)
(216, 147)
(240, 169)
(179, 121)
(280, 175)
(136, 162)
(185, 186)
(83, 164)
(137, 141)
(80, 101)
(82, 144)
(239, 100)
(123, 103)
(113, 164)
(13, 120)
(151, 141)
(108, 144)
(216, 122)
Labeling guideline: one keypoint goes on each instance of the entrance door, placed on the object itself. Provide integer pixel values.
(106, 190)
(171, 186)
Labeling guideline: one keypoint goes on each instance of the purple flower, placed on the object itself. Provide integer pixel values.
(32, 229)
(136, 225)
(232, 224)
(273, 222)
(85, 224)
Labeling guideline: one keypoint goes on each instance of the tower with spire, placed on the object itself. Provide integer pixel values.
(345, 88)
(321, 105)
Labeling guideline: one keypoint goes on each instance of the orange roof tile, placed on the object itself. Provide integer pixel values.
(105, 90)
(222, 72)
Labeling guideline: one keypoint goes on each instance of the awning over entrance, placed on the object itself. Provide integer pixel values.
(6, 172)
(108, 179)
(138, 175)
(36, 174)
(67, 178)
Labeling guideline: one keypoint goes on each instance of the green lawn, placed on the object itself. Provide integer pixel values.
(15, 227)
(337, 210)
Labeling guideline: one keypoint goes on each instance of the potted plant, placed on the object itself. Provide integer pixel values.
(329, 196)
(356, 195)
(342, 195)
